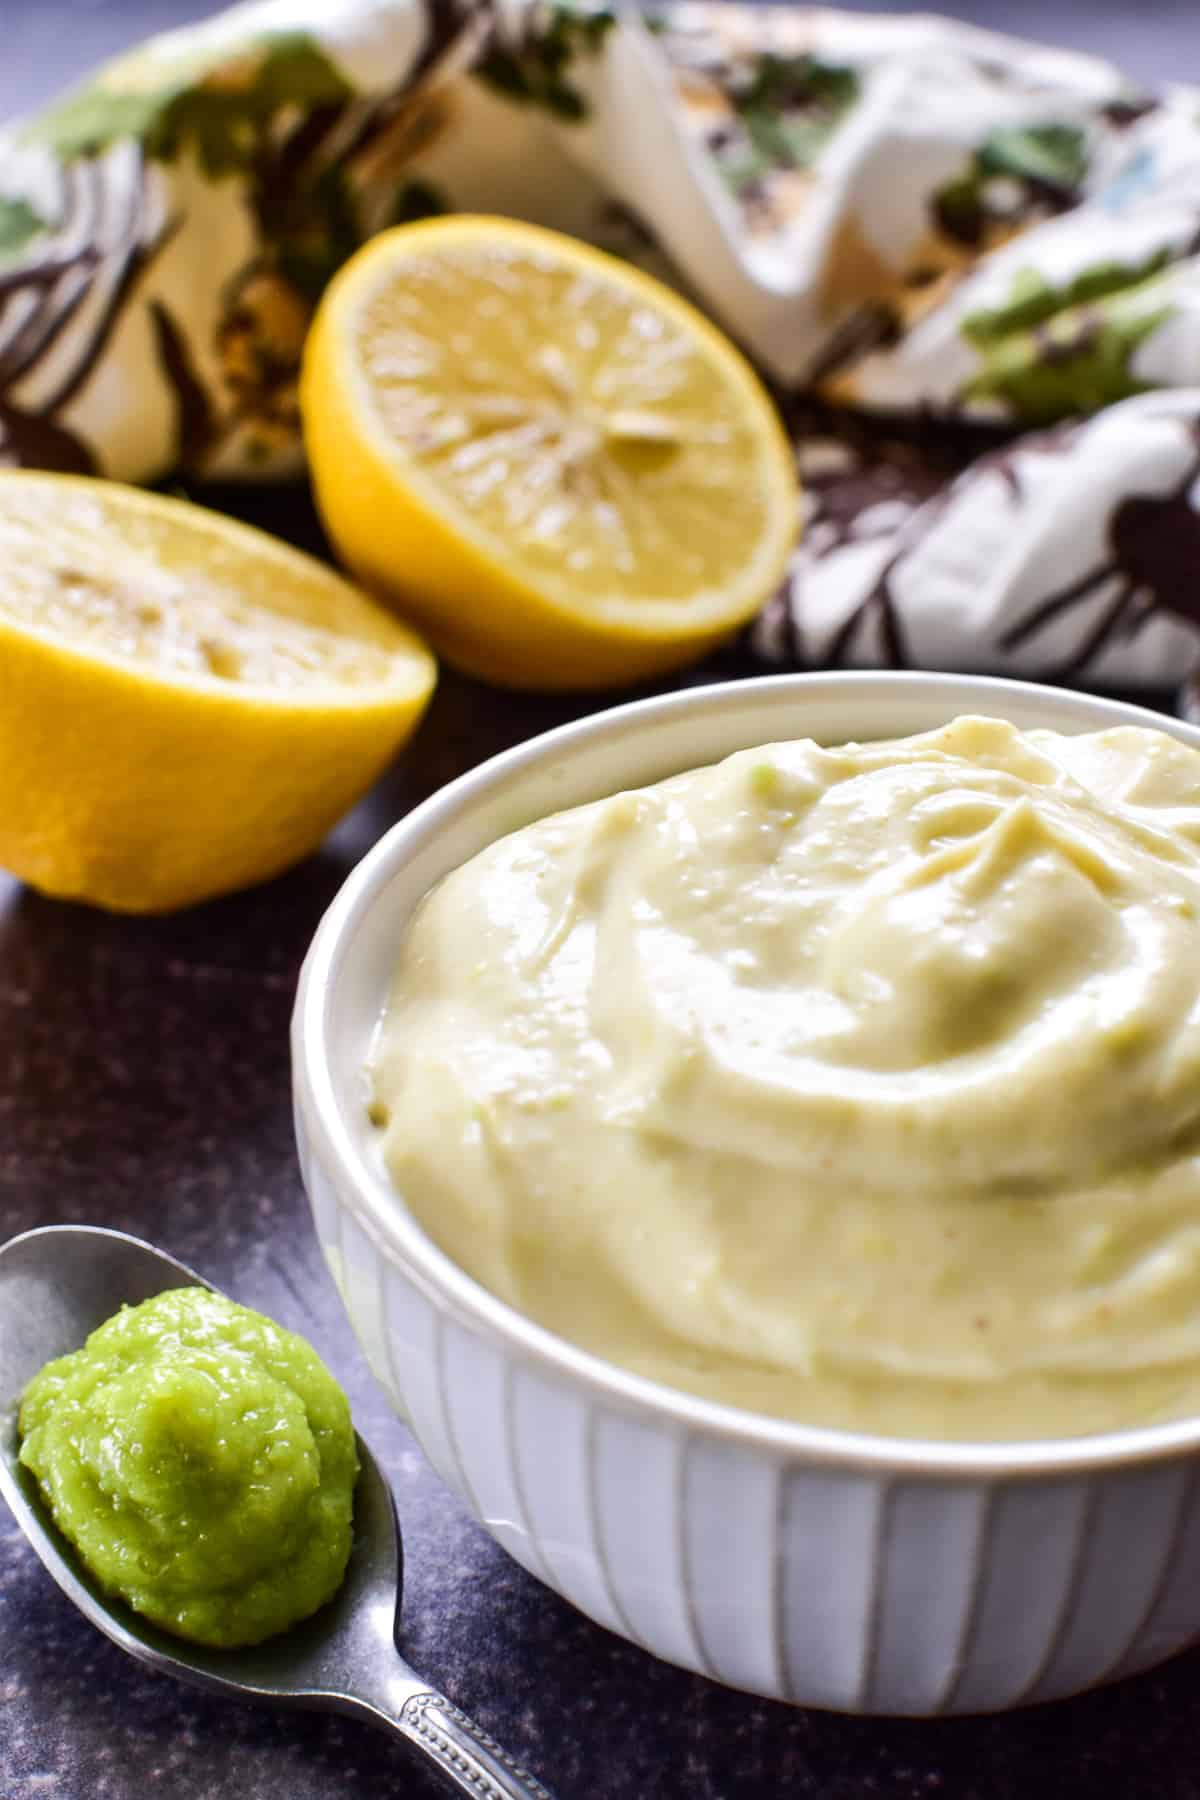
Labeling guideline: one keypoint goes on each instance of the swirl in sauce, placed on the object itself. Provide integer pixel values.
(859, 1086)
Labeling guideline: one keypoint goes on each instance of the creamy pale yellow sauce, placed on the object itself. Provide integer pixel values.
(859, 1086)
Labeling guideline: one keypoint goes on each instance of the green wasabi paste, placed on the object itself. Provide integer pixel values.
(201, 1459)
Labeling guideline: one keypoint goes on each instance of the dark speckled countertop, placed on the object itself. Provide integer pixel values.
(144, 1084)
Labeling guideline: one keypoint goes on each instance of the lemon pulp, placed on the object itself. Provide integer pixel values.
(186, 705)
(556, 466)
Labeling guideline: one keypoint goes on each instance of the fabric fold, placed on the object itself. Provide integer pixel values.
(957, 235)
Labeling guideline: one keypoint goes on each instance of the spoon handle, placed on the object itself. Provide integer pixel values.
(471, 1760)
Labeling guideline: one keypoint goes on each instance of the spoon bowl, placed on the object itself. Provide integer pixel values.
(59, 1283)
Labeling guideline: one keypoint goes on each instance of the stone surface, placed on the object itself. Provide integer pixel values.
(144, 1085)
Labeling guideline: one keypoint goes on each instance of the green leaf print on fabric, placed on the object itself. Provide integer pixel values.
(119, 103)
(418, 199)
(535, 72)
(267, 116)
(1047, 162)
(1032, 299)
(310, 221)
(216, 103)
(19, 225)
(1053, 154)
(788, 110)
(1055, 351)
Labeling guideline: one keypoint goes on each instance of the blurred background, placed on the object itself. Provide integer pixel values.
(38, 55)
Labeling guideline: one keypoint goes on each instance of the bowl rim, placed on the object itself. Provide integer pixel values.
(395, 1233)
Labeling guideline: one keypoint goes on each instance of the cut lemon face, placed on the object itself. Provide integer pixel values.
(557, 468)
(186, 705)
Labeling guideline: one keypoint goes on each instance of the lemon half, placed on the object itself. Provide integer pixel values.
(186, 705)
(562, 472)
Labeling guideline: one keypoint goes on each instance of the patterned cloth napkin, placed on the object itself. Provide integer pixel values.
(969, 266)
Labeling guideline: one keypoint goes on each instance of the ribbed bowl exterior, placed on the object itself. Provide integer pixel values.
(821, 1585)
(860, 1583)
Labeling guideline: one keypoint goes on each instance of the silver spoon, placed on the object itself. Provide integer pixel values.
(56, 1285)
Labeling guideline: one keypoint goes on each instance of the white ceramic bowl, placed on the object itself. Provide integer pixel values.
(821, 1567)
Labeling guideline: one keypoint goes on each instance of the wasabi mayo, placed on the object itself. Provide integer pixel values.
(202, 1461)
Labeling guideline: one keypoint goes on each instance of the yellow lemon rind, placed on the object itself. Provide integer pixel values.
(405, 540)
(144, 792)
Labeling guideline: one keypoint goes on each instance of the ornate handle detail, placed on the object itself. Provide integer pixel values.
(464, 1752)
